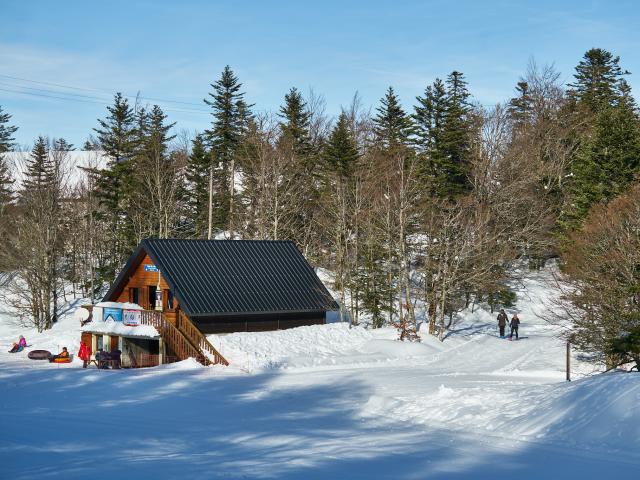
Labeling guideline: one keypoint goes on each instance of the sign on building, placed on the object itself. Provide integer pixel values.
(131, 317)
(150, 268)
(113, 314)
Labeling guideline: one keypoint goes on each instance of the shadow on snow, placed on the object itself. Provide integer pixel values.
(160, 423)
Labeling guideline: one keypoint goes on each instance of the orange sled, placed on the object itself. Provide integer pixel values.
(60, 360)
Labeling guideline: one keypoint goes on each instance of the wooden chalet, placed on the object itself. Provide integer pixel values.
(190, 288)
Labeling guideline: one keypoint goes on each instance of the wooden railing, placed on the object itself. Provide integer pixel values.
(194, 344)
(151, 360)
(196, 337)
(153, 318)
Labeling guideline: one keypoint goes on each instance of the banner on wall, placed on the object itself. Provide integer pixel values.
(114, 314)
(131, 317)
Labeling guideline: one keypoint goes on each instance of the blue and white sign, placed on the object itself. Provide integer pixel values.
(114, 314)
(150, 268)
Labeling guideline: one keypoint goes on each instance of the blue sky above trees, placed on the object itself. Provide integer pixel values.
(171, 51)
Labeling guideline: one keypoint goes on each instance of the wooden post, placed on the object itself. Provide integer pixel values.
(568, 361)
(160, 351)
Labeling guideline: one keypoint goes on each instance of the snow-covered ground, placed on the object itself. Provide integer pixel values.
(326, 402)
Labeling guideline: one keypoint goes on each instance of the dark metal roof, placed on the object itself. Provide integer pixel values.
(222, 277)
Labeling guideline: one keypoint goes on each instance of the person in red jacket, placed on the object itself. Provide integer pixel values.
(84, 354)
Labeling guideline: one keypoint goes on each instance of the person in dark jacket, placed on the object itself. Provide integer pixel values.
(502, 322)
(115, 358)
(102, 358)
(515, 323)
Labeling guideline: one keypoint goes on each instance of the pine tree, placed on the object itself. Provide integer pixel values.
(116, 133)
(6, 143)
(520, 107)
(341, 153)
(230, 115)
(597, 79)
(607, 162)
(39, 236)
(153, 133)
(392, 126)
(6, 185)
(608, 156)
(453, 167)
(40, 169)
(155, 184)
(6, 132)
(117, 137)
(296, 148)
(197, 177)
(295, 123)
(429, 117)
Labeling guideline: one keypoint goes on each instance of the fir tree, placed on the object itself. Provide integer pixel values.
(117, 137)
(116, 133)
(392, 126)
(608, 157)
(597, 79)
(153, 183)
(6, 185)
(429, 117)
(341, 153)
(153, 133)
(606, 163)
(451, 164)
(6, 132)
(520, 107)
(40, 169)
(230, 116)
(295, 123)
(197, 177)
(6, 181)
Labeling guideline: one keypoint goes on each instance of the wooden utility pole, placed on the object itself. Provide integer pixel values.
(568, 361)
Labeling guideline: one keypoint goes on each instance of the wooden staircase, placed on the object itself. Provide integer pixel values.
(184, 338)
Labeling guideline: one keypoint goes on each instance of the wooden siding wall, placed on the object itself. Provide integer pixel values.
(258, 322)
(142, 280)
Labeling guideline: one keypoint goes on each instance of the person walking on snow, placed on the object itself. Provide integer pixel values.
(502, 322)
(515, 322)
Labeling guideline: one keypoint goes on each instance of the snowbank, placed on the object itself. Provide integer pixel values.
(111, 327)
(284, 348)
(319, 346)
(123, 305)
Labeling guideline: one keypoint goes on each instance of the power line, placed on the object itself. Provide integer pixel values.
(13, 85)
(153, 99)
(85, 99)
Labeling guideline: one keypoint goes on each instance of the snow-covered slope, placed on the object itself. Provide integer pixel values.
(328, 402)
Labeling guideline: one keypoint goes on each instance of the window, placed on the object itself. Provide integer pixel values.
(99, 342)
(152, 297)
(168, 295)
(134, 295)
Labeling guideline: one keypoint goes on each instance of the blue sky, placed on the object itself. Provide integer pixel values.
(173, 50)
